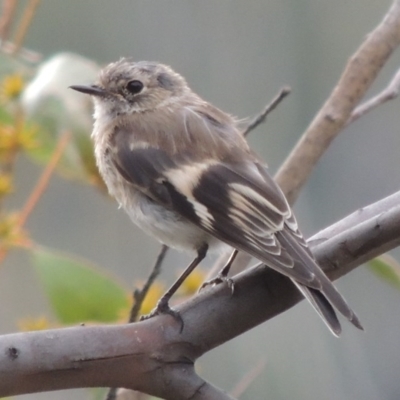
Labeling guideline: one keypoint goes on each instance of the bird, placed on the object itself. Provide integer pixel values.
(185, 174)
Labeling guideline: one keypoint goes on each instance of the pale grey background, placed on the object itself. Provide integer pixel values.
(237, 54)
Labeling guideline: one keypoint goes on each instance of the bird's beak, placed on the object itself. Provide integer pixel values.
(93, 90)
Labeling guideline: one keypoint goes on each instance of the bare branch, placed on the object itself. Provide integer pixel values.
(248, 379)
(153, 356)
(337, 111)
(7, 15)
(389, 93)
(360, 72)
(27, 17)
(139, 295)
(259, 119)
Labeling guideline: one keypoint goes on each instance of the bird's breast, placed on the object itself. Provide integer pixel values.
(167, 226)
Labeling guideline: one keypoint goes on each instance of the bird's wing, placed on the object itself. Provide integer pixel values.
(225, 200)
(238, 203)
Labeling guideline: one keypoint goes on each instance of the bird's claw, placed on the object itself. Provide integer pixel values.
(163, 307)
(217, 280)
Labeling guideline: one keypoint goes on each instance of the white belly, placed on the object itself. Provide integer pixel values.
(169, 227)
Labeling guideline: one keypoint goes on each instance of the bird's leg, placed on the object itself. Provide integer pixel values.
(223, 274)
(162, 306)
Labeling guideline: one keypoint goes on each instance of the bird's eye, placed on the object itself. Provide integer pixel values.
(134, 87)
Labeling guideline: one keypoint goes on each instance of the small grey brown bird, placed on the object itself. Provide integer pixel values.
(184, 173)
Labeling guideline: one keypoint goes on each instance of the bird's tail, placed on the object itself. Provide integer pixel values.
(322, 306)
(322, 294)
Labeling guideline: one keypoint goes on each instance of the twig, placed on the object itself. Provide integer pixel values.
(259, 119)
(11, 157)
(7, 15)
(40, 187)
(24, 54)
(389, 93)
(140, 295)
(112, 393)
(27, 17)
(360, 72)
(248, 379)
(44, 179)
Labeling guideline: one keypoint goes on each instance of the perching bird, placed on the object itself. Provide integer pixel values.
(184, 173)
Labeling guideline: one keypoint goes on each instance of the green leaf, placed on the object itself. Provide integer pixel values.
(386, 268)
(78, 291)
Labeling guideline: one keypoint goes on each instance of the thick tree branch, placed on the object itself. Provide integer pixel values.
(153, 357)
(360, 72)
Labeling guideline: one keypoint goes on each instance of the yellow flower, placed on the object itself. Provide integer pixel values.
(11, 87)
(13, 140)
(34, 324)
(11, 234)
(152, 297)
(27, 138)
(6, 186)
(192, 283)
(150, 301)
(7, 139)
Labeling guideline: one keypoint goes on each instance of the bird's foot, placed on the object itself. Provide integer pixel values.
(163, 307)
(220, 278)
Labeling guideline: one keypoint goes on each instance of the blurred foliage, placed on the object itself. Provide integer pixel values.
(36, 111)
(387, 269)
(193, 282)
(77, 290)
(35, 324)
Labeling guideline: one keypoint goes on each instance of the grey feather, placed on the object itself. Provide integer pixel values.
(185, 174)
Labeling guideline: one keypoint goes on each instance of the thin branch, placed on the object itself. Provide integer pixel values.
(360, 72)
(140, 295)
(248, 379)
(389, 93)
(24, 54)
(40, 186)
(138, 298)
(44, 179)
(259, 119)
(22, 30)
(357, 77)
(7, 15)
(11, 156)
(111, 394)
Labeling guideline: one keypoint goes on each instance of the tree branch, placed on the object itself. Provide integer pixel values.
(360, 72)
(336, 113)
(153, 357)
(140, 295)
(260, 118)
(389, 93)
